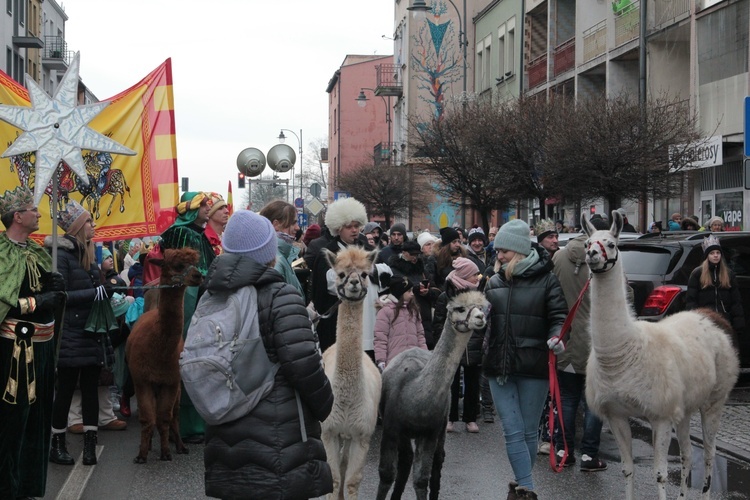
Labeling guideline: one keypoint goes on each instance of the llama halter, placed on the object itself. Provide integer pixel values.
(607, 260)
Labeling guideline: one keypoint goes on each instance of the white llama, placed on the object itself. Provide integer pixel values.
(412, 412)
(663, 371)
(355, 379)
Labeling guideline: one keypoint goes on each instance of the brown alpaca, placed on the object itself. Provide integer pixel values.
(153, 351)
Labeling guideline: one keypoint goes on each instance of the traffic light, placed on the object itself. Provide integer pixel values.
(241, 180)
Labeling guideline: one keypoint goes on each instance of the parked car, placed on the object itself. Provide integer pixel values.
(658, 267)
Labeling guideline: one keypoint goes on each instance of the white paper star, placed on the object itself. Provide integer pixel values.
(57, 129)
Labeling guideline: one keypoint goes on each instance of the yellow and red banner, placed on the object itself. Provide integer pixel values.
(128, 196)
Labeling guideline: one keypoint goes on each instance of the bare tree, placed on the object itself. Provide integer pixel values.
(383, 189)
(258, 195)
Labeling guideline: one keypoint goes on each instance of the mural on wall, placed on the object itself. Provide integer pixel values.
(442, 212)
(436, 59)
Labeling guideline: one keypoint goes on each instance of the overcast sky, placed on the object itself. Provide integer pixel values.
(242, 69)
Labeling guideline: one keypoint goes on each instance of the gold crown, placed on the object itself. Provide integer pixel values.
(13, 201)
(544, 226)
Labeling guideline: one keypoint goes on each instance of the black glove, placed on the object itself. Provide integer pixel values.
(48, 300)
(55, 282)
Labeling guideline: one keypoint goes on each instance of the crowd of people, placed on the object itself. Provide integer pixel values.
(529, 280)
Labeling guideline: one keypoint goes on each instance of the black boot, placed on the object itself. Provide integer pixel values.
(58, 453)
(89, 448)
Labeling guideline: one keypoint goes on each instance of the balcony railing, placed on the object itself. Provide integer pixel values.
(56, 54)
(667, 11)
(565, 56)
(595, 41)
(383, 153)
(537, 70)
(628, 23)
(388, 80)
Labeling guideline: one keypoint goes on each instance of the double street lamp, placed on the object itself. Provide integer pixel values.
(362, 102)
(282, 138)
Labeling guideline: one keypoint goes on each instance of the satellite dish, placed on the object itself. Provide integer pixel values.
(251, 161)
(281, 158)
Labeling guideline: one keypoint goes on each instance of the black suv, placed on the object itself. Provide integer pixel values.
(658, 267)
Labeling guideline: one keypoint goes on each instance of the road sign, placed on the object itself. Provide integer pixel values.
(315, 206)
(302, 220)
(299, 203)
(340, 195)
(315, 189)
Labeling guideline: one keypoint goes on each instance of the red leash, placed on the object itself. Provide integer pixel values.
(554, 388)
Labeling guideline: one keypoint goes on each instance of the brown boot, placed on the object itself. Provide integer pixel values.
(512, 490)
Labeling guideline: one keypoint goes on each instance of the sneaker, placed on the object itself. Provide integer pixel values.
(115, 425)
(568, 461)
(489, 417)
(592, 464)
(449, 427)
(472, 427)
(543, 448)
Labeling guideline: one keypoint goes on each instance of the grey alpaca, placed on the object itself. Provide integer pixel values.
(416, 400)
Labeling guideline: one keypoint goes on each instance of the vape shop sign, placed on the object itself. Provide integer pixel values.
(729, 208)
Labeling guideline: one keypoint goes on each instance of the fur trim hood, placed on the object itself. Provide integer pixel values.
(62, 242)
(342, 212)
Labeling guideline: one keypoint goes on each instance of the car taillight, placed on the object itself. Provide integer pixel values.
(659, 300)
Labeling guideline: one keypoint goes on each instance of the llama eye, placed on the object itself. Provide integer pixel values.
(364, 276)
(460, 309)
(342, 275)
(611, 244)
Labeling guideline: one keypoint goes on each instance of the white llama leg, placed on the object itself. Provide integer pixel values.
(662, 431)
(356, 458)
(621, 429)
(686, 459)
(710, 418)
(332, 444)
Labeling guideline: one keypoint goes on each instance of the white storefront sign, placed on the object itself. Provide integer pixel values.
(702, 154)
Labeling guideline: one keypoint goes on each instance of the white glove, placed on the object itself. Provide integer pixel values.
(381, 366)
(556, 345)
(102, 292)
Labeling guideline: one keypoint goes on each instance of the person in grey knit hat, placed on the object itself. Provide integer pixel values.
(527, 312)
(269, 434)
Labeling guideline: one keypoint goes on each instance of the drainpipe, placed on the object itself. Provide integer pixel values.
(642, 101)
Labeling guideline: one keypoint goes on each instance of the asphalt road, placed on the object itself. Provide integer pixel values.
(475, 468)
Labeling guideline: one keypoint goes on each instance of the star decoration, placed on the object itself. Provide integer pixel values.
(57, 129)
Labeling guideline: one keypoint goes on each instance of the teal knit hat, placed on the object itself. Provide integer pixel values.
(514, 235)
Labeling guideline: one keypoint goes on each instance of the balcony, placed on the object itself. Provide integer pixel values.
(667, 12)
(383, 153)
(388, 80)
(56, 54)
(28, 42)
(537, 70)
(627, 24)
(595, 41)
(565, 57)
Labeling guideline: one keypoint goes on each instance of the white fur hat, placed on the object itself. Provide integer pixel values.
(343, 212)
(425, 238)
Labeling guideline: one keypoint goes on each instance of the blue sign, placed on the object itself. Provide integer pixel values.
(747, 128)
(299, 202)
(302, 220)
(340, 195)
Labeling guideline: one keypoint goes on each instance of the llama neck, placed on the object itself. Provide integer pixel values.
(612, 323)
(439, 371)
(349, 336)
(171, 309)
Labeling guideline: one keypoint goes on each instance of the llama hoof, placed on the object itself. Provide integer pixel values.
(139, 460)
(183, 451)
(166, 457)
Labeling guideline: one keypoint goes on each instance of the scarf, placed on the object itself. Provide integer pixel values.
(524, 264)
(17, 262)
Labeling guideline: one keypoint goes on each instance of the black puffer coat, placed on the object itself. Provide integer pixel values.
(78, 348)
(262, 455)
(525, 313)
(725, 301)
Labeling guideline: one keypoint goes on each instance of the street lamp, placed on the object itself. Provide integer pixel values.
(420, 7)
(362, 102)
(282, 138)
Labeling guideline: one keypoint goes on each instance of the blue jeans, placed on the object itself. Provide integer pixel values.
(519, 402)
(572, 393)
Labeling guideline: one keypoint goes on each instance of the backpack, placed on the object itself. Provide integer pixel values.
(224, 365)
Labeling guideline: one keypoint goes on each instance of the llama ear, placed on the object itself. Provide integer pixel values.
(617, 224)
(586, 225)
(330, 257)
(372, 256)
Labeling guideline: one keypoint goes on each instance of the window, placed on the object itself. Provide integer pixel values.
(9, 6)
(510, 47)
(480, 65)
(501, 53)
(487, 69)
(9, 61)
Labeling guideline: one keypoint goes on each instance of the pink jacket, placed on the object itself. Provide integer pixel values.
(392, 338)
